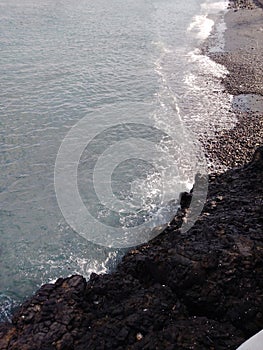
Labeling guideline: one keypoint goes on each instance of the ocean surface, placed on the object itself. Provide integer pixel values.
(90, 90)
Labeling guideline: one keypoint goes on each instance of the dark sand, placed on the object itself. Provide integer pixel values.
(202, 289)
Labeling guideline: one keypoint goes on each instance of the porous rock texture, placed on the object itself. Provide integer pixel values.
(202, 289)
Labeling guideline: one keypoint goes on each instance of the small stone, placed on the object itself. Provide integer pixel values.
(139, 336)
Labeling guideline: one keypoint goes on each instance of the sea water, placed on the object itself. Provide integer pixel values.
(70, 72)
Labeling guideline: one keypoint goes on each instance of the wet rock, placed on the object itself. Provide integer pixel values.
(257, 160)
(200, 288)
(66, 343)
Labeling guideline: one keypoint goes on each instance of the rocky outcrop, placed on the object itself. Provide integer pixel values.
(196, 290)
(201, 289)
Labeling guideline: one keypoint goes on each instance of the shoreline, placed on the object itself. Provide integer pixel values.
(244, 63)
(201, 289)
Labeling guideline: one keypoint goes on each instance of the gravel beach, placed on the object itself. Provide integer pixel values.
(201, 289)
(243, 58)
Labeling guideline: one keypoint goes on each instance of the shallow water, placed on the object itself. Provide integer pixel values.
(248, 103)
(90, 65)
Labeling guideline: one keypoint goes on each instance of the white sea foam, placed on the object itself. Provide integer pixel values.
(6, 305)
(214, 7)
(202, 24)
(195, 90)
(58, 79)
(211, 104)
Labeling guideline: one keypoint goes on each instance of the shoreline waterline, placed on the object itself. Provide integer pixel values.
(192, 278)
(40, 250)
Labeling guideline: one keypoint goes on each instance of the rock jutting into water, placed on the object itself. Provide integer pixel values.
(202, 287)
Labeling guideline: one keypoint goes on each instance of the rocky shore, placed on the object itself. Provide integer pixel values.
(202, 289)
